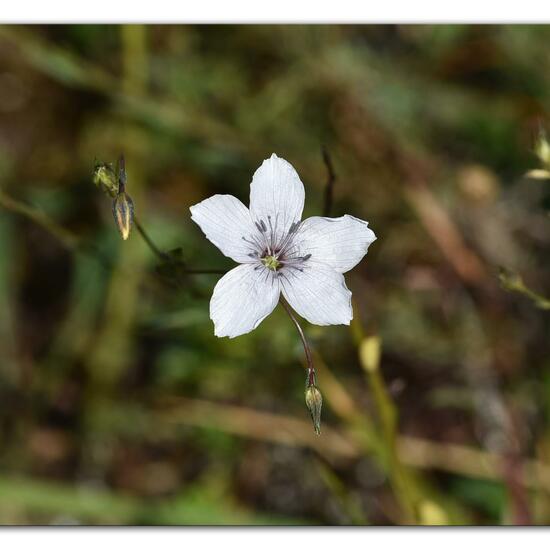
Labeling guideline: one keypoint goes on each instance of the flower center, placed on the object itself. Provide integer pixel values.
(271, 262)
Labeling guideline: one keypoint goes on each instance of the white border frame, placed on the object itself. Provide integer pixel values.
(279, 11)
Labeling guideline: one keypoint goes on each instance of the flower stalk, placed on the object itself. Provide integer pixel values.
(113, 183)
(307, 349)
(313, 397)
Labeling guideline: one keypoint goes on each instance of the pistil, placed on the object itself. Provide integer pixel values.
(271, 262)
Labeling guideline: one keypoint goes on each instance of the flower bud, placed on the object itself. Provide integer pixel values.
(510, 281)
(123, 212)
(369, 353)
(542, 149)
(105, 178)
(314, 402)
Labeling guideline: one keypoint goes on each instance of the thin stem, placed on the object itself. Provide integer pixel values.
(149, 242)
(403, 483)
(71, 241)
(167, 258)
(68, 239)
(163, 256)
(309, 357)
(514, 283)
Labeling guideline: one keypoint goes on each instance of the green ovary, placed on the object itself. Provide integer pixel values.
(271, 262)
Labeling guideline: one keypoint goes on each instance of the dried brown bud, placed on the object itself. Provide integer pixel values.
(123, 212)
(314, 402)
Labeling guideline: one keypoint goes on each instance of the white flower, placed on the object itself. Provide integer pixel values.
(279, 253)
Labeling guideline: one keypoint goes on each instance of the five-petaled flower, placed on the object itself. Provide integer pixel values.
(305, 260)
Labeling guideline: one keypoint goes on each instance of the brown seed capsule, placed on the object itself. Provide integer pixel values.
(314, 402)
(123, 212)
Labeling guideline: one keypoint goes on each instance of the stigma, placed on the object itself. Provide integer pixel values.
(271, 262)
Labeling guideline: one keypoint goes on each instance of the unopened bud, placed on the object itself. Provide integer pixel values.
(314, 402)
(369, 353)
(510, 281)
(542, 149)
(123, 212)
(105, 178)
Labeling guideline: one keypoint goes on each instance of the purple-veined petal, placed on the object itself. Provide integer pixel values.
(276, 198)
(226, 222)
(318, 293)
(340, 243)
(242, 299)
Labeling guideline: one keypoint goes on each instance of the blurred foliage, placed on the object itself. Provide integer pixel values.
(118, 404)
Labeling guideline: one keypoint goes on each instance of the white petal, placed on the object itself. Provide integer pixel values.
(276, 196)
(225, 220)
(318, 293)
(338, 242)
(242, 299)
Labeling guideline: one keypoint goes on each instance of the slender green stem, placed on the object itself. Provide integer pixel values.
(74, 243)
(403, 483)
(149, 242)
(163, 256)
(513, 282)
(68, 239)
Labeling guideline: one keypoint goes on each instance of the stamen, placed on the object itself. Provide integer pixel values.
(289, 236)
(270, 231)
(260, 224)
(255, 243)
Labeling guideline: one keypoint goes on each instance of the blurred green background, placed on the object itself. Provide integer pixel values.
(118, 405)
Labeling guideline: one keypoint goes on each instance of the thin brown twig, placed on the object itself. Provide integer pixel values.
(307, 349)
(437, 222)
(479, 284)
(414, 451)
(331, 179)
